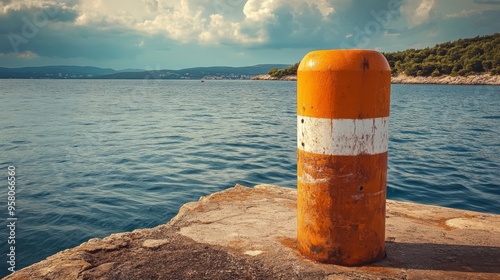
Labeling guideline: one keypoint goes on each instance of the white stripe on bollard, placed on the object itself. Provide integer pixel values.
(343, 137)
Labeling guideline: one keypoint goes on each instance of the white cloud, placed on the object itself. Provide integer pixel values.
(262, 10)
(417, 12)
(390, 34)
(18, 5)
(219, 30)
(140, 44)
(151, 5)
(259, 11)
(463, 14)
(258, 15)
(181, 23)
(325, 8)
(237, 21)
(113, 13)
(27, 55)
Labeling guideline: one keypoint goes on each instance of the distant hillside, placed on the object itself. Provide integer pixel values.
(54, 72)
(463, 57)
(459, 58)
(87, 72)
(215, 72)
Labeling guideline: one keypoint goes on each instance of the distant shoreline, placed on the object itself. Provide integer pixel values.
(483, 79)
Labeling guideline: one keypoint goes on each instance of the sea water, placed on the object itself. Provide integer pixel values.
(95, 157)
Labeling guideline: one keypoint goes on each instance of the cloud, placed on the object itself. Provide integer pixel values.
(47, 5)
(417, 12)
(264, 10)
(268, 23)
(388, 33)
(145, 32)
(463, 14)
(246, 23)
(63, 41)
(27, 55)
(140, 44)
(151, 5)
(112, 14)
(182, 23)
(235, 22)
(265, 22)
(221, 31)
(22, 22)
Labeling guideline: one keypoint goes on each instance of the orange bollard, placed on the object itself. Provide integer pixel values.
(342, 139)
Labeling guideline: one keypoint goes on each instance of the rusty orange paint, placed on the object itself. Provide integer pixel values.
(342, 198)
(343, 84)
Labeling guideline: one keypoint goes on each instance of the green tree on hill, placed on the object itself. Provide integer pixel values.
(292, 70)
(462, 57)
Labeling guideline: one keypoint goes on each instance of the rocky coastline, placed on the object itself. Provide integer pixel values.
(483, 79)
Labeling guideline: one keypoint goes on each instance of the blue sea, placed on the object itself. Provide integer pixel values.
(95, 157)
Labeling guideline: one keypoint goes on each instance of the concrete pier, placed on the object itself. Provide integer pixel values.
(250, 233)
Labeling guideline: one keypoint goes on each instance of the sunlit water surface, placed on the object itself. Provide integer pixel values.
(95, 157)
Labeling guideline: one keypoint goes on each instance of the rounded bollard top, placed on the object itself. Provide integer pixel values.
(343, 84)
(335, 60)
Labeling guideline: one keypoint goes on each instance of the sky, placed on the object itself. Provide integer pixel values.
(166, 34)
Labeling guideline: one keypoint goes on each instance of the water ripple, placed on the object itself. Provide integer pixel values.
(96, 157)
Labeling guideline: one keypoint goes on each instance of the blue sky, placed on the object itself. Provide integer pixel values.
(166, 34)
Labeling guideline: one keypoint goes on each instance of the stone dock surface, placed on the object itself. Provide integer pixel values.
(250, 233)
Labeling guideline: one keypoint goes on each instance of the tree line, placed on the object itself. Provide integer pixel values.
(462, 57)
(278, 73)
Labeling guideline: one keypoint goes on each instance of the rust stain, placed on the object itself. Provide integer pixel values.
(383, 271)
(442, 224)
(366, 64)
(236, 244)
(290, 243)
(429, 222)
(292, 205)
(470, 216)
